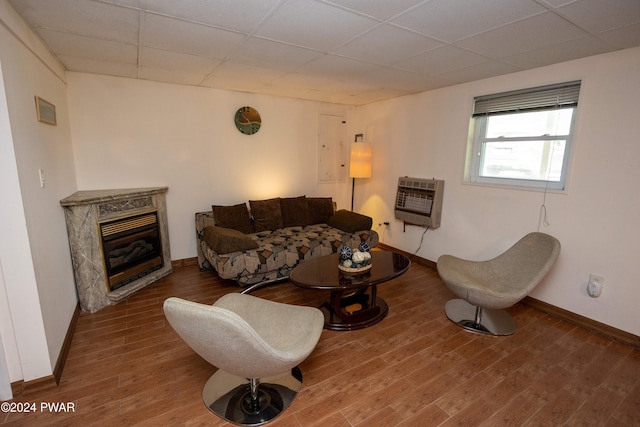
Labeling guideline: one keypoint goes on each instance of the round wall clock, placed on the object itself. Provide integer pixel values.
(248, 120)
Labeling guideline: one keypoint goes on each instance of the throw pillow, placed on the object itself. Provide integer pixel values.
(267, 214)
(350, 221)
(320, 209)
(235, 217)
(226, 240)
(295, 211)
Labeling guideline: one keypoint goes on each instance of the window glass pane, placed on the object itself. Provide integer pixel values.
(537, 160)
(547, 122)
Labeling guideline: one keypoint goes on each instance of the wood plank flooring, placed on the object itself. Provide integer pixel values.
(127, 367)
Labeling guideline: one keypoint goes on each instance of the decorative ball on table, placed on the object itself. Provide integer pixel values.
(345, 253)
(355, 260)
(364, 247)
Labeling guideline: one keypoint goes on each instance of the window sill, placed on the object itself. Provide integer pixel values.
(515, 187)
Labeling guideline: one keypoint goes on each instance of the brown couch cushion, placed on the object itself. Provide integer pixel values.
(226, 240)
(267, 214)
(235, 217)
(350, 221)
(295, 211)
(320, 209)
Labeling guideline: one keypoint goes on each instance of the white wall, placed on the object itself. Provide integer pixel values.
(5, 382)
(132, 133)
(129, 133)
(34, 252)
(596, 222)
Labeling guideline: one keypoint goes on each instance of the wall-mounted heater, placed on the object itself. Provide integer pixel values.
(419, 201)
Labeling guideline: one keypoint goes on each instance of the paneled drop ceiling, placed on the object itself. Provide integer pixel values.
(344, 51)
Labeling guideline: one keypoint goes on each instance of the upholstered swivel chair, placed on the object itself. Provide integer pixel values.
(486, 288)
(256, 345)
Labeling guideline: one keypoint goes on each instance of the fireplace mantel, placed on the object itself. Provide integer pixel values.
(84, 210)
(87, 197)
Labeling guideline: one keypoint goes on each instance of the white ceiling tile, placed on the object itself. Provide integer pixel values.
(603, 15)
(139, 4)
(88, 47)
(85, 18)
(227, 70)
(234, 83)
(271, 89)
(529, 34)
(106, 37)
(624, 37)
(239, 15)
(350, 87)
(303, 80)
(370, 96)
(96, 66)
(556, 3)
(262, 52)
(422, 84)
(338, 67)
(485, 70)
(195, 39)
(312, 24)
(167, 60)
(327, 96)
(572, 49)
(386, 44)
(170, 76)
(440, 60)
(377, 9)
(386, 76)
(390, 78)
(452, 20)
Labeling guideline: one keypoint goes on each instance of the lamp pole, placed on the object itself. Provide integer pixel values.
(353, 191)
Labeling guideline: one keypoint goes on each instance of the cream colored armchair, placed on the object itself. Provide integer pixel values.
(488, 287)
(256, 345)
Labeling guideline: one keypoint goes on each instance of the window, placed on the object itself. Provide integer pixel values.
(522, 138)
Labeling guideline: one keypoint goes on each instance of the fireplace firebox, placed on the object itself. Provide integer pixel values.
(131, 248)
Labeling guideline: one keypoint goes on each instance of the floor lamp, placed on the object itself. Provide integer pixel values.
(360, 164)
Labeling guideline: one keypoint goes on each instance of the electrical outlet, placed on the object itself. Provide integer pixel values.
(595, 285)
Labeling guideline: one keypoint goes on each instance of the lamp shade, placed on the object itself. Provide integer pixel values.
(360, 165)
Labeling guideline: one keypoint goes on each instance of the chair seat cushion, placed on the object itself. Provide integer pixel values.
(504, 280)
(247, 336)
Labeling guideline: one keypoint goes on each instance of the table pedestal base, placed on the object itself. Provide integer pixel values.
(353, 310)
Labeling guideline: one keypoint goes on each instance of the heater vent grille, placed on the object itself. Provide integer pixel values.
(419, 201)
(128, 224)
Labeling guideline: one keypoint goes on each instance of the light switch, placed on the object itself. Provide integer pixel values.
(42, 180)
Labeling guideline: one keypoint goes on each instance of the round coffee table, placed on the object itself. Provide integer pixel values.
(350, 306)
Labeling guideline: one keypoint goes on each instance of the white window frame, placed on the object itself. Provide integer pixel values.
(527, 100)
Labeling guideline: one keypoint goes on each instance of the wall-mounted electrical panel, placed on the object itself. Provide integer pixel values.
(419, 201)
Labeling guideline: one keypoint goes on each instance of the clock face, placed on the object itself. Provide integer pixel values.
(248, 120)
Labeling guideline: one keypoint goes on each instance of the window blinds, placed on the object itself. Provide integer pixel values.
(538, 98)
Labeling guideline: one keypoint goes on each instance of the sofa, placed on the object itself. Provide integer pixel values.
(262, 241)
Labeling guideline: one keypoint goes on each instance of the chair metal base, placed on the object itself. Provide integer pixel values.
(229, 397)
(481, 320)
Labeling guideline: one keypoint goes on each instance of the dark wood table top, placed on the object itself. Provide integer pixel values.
(323, 274)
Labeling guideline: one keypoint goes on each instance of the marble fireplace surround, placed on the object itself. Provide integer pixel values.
(83, 211)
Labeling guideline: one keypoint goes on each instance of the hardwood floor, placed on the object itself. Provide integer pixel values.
(127, 367)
